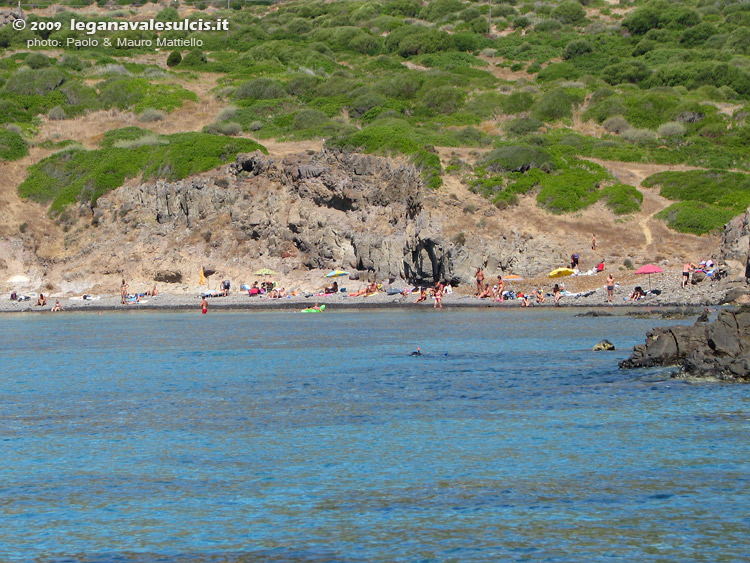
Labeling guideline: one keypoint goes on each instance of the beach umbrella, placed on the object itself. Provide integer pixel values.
(561, 272)
(265, 272)
(336, 274)
(512, 278)
(649, 269)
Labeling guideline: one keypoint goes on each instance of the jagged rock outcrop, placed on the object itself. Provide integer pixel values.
(330, 209)
(735, 246)
(720, 349)
(603, 346)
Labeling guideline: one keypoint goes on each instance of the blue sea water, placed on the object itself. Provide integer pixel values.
(278, 436)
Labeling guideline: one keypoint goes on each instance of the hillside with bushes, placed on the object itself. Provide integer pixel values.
(511, 101)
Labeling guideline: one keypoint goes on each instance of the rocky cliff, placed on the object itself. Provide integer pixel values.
(324, 210)
(719, 350)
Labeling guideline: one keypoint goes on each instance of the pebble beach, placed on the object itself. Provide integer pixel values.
(581, 291)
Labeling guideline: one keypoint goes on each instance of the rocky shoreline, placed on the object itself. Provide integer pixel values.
(717, 350)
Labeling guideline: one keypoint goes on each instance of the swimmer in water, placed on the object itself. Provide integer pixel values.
(417, 353)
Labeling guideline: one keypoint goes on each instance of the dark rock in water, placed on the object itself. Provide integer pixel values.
(737, 295)
(604, 345)
(594, 314)
(165, 276)
(718, 350)
(683, 313)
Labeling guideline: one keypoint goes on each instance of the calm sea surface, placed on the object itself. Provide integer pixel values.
(264, 436)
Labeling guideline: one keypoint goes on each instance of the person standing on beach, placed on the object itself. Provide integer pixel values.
(204, 306)
(439, 295)
(610, 288)
(480, 281)
(686, 269)
(593, 241)
(500, 288)
(557, 292)
(123, 292)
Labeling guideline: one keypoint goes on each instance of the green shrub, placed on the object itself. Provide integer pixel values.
(739, 41)
(80, 175)
(517, 102)
(444, 99)
(174, 58)
(424, 41)
(428, 164)
(698, 34)
(576, 48)
(259, 89)
(138, 94)
(555, 104)
(438, 9)
(72, 62)
(310, 119)
(573, 188)
(405, 8)
(228, 128)
(365, 102)
(194, 59)
(403, 86)
(622, 199)
(639, 136)
(12, 145)
(672, 129)
(558, 71)
(642, 20)
(35, 82)
(546, 26)
(517, 158)
(695, 217)
(628, 71)
(718, 187)
(523, 126)
(37, 60)
(569, 12)
(381, 136)
(616, 124)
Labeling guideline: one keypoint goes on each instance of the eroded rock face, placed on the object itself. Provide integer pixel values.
(327, 210)
(735, 245)
(720, 349)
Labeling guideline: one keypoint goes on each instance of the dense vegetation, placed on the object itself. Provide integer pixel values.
(77, 175)
(664, 81)
(706, 199)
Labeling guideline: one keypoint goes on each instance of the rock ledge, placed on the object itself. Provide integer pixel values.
(717, 350)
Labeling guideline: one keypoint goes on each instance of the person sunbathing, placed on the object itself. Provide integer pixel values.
(637, 293)
(486, 292)
(42, 301)
(367, 291)
(539, 296)
(422, 295)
